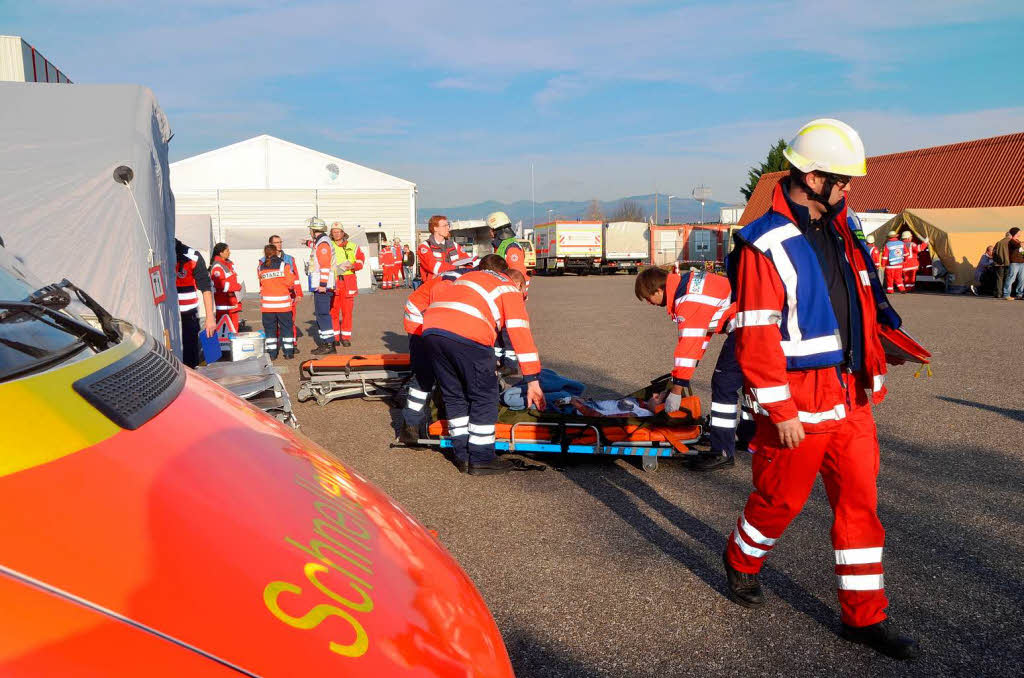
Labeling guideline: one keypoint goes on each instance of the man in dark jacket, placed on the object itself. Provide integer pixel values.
(1001, 260)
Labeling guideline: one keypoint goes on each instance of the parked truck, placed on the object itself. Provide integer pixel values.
(626, 246)
(573, 246)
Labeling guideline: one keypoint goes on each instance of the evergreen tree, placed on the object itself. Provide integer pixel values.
(775, 162)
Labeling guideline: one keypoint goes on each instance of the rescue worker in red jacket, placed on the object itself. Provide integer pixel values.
(349, 258)
(504, 243)
(809, 304)
(422, 383)
(289, 261)
(911, 262)
(225, 286)
(439, 252)
(876, 254)
(459, 328)
(700, 304)
(193, 279)
(277, 283)
(321, 266)
(387, 266)
(894, 253)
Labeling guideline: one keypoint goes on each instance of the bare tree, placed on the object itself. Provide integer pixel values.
(593, 211)
(628, 210)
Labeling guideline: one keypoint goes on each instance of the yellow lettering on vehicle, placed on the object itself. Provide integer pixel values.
(345, 546)
(365, 605)
(314, 617)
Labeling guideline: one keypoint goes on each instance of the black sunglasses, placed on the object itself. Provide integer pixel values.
(837, 178)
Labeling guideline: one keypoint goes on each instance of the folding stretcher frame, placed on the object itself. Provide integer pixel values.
(381, 376)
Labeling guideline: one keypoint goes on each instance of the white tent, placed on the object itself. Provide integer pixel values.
(64, 213)
(264, 186)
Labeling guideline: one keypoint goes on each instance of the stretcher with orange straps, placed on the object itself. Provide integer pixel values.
(385, 376)
(381, 376)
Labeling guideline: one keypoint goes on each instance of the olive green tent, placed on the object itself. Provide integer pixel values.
(956, 236)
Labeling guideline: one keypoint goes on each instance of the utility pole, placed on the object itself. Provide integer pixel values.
(670, 208)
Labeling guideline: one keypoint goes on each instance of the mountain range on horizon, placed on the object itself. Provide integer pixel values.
(683, 210)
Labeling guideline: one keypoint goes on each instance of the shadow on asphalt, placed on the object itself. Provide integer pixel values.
(530, 657)
(395, 342)
(1016, 415)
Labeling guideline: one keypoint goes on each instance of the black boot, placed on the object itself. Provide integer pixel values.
(744, 589)
(346, 343)
(883, 637)
(324, 349)
(493, 467)
(712, 462)
(409, 435)
(462, 465)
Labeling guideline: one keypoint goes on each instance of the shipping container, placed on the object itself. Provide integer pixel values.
(21, 62)
(625, 246)
(689, 243)
(573, 246)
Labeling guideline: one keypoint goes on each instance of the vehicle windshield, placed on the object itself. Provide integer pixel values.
(30, 338)
(527, 245)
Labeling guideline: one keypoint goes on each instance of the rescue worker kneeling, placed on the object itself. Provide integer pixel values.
(277, 280)
(459, 329)
(422, 383)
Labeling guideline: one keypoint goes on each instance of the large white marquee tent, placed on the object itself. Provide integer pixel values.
(266, 185)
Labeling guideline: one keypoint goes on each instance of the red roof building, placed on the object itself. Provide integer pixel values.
(981, 173)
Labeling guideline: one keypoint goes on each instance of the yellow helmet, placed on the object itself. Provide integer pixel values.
(827, 145)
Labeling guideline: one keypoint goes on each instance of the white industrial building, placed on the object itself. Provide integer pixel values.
(265, 186)
(21, 62)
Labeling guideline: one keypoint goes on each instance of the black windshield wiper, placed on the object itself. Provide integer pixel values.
(53, 298)
(45, 361)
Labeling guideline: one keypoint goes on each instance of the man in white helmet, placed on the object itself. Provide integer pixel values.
(912, 261)
(809, 304)
(503, 240)
(321, 267)
(876, 254)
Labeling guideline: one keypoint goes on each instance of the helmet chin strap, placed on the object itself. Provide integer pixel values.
(822, 197)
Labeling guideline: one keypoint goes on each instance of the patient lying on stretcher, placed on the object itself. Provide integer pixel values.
(565, 397)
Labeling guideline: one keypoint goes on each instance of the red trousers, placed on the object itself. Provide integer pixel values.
(893, 276)
(909, 278)
(390, 278)
(847, 459)
(342, 310)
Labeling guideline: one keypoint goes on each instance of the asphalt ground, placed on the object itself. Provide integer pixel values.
(601, 569)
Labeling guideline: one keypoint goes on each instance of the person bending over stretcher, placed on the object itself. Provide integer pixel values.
(422, 383)
(459, 329)
(700, 304)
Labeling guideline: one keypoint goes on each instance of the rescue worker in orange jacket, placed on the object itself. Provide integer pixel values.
(349, 258)
(700, 304)
(321, 267)
(876, 254)
(277, 284)
(289, 261)
(422, 383)
(225, 286)
(809, 306)
(439, 252)
(193, 280)
(911, 262)
(459, 328)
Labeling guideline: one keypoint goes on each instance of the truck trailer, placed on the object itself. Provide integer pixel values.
(626, 246)
(573, 246)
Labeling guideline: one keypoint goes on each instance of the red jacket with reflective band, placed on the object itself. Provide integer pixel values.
(188, 295)
(225, 284)
(703, 308)
(348, 284)
(479, 305)
(323, 260)
(421, 298)
(277, 281)
(816, 397)
(436, 259)
(876, 255)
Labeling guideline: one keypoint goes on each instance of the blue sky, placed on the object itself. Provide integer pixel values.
(606, 98)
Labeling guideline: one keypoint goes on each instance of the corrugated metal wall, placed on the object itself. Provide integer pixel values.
(12, 59)
(20, 62)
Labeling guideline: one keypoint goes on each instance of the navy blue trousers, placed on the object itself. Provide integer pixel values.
(422, 383)
(726, 393)
(469, 388)
(274, 323)
(322, 302)
(190, 338)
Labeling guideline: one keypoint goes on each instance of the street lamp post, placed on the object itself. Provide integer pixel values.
(549, 215)
(670, 208)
